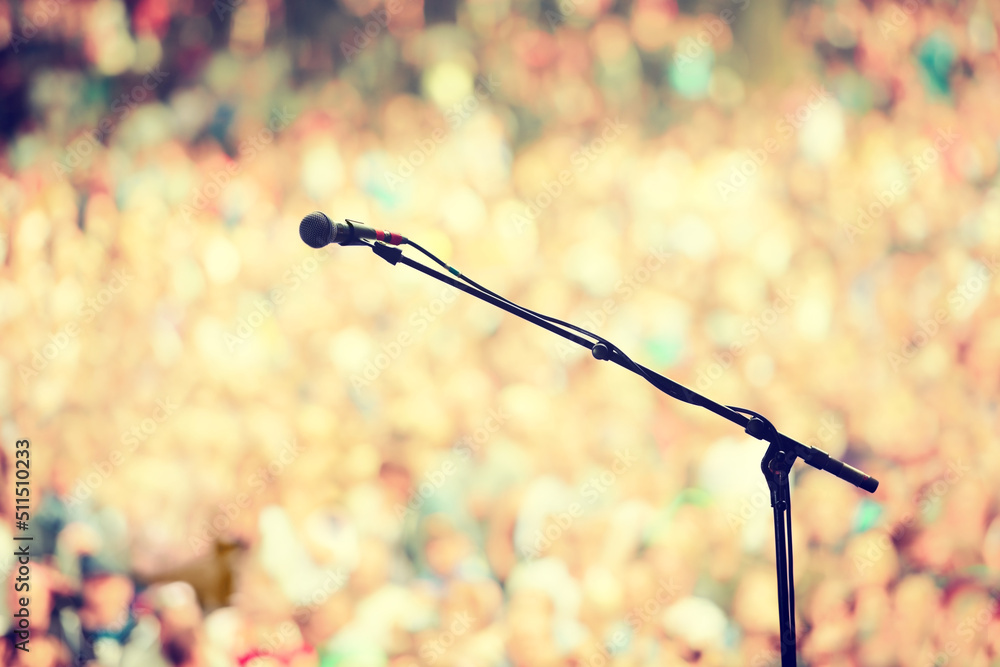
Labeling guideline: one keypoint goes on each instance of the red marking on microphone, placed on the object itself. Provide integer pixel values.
(388, 237)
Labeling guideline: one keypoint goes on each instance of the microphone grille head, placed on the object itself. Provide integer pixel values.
(316, 229)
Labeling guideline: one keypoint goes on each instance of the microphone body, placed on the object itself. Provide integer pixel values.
(317, 230)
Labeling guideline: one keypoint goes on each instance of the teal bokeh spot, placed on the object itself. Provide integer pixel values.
(855, 92)
(936, 56)
(867, 515)
(353, 656)
(664, 351)
(619, 639)
(377, 176)
(692, 496)
(931, 509)
(691, 70)
(386, 198)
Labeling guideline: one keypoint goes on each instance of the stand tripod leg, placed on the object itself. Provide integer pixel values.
(791, 569)
(783, 562)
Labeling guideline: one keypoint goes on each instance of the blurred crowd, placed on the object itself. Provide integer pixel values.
(249, 452)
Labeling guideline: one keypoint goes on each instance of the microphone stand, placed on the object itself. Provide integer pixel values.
(781, 453)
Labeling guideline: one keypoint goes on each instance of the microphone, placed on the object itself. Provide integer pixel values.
(317, 230)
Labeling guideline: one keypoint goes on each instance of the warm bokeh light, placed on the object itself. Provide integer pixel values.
(248, 451)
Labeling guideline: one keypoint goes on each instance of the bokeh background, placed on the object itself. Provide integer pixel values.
(248, 452)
